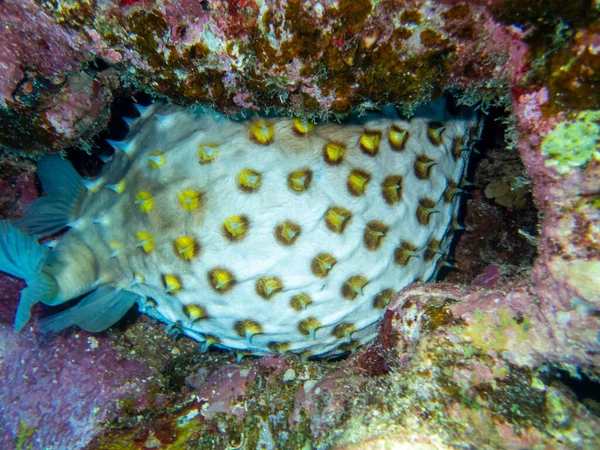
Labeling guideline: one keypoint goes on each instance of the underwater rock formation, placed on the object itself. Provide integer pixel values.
(325, 58)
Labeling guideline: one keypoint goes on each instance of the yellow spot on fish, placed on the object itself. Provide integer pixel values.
(207, 152)
(209, 339)
(117, 187)
(369, 142)
(145, 240)
(248, 180)
(221, 280)
(235, 228)
(115, 247)
(382, 300)
(299, 180)
(391, 189)
(451, 191)
(247, 329)
(309, 327)
(434, 133)
(302, 125)
(195, 312)
(344, 330)
(138, 278)
(397, 138)
(423, 165)
(357, 182)
(374, 235)
(189, 199)
(186, 247)
(268, 287)
(322, 264)
(145, 201)
(300, 302)
(172, 284)
(262, 132)
(425, 210)
(353, 287)
(156, 159)
(350, 346)
(333, 153)
(404, 252)
(432, 250)
(337, 219)
(279, 347)
(287, 232)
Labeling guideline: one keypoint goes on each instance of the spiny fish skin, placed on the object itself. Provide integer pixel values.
(271, 234)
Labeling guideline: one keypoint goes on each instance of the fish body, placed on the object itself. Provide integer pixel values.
(263, 236)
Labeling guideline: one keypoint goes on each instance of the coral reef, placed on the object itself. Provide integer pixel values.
(502, 355)
(295, 56)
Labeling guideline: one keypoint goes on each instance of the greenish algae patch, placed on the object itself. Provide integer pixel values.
(573, 143)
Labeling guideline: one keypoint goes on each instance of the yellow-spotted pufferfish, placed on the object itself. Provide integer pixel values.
(262, 236)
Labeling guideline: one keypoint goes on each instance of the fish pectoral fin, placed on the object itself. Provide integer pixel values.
(96, 312)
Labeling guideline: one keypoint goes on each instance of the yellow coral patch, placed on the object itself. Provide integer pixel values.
(145, 201)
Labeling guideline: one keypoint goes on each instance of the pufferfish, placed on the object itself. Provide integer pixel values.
(265, 235)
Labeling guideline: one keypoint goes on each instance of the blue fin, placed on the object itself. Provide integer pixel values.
(40, 289)
(23, 257)
(96, 312)
(20, 254)
(50, 214)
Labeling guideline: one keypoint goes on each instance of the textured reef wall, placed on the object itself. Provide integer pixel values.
(503, 354)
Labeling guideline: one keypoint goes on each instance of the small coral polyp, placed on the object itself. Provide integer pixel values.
(261, 236)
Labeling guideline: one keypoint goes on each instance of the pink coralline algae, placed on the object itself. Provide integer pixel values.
(503, 354)
(324, 58)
